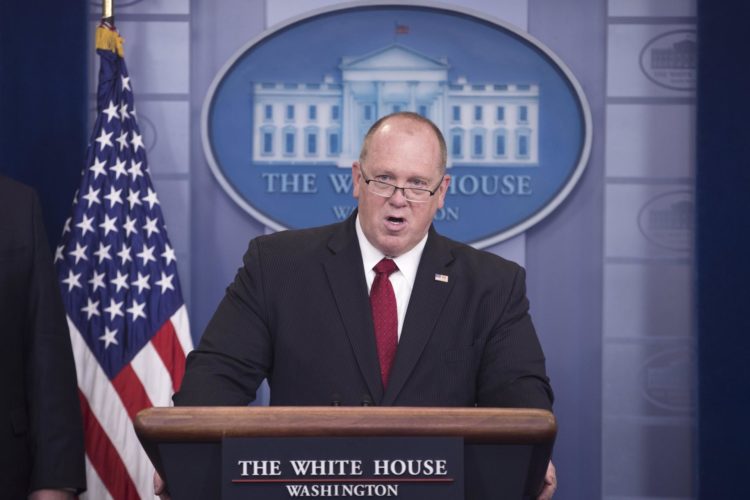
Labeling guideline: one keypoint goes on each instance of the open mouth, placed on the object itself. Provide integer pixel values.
(396, 220)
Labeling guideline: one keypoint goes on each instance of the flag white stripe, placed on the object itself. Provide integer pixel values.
(95, 489)
(109, 410)
(154, 376)
(181, 326)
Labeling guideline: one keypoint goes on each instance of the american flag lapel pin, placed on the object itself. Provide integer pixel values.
(441, 277)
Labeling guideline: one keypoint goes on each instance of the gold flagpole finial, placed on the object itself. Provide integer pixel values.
(107, 37)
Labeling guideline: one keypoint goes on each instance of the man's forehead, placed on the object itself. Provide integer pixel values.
(402, 125)
(404, 146)
(406, 171)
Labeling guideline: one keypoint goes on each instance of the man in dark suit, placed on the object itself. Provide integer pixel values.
(41, 440)
(298, 313)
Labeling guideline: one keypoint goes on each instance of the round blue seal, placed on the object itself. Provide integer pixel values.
(284, 119)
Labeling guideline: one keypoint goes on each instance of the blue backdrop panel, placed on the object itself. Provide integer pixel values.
(723, 219)
(43, 115)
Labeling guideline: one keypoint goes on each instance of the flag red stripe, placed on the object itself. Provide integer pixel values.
(170, 351)
(104, 457)
(131, 391)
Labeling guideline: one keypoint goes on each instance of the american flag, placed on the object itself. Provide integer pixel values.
(118, 274)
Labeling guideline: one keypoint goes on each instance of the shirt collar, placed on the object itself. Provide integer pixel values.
(407, 263)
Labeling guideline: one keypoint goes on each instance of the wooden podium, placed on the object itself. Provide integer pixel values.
(505, 450)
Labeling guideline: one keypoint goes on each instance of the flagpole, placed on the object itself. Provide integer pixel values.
(108, 14)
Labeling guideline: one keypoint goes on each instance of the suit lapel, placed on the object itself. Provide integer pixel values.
(347, 280)
(425, 304)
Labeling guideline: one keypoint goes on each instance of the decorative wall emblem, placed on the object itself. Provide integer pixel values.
(284, 119)
(666, 379)
(670, 60)
(668, 220)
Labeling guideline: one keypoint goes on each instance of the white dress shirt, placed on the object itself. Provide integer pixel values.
(402, 280)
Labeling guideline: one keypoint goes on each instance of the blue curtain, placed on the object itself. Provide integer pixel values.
(43, 100)
(723, 248)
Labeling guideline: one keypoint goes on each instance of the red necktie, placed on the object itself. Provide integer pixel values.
(384, 316)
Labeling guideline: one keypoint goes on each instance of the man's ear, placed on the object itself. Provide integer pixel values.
(443, 190)
(355, 179)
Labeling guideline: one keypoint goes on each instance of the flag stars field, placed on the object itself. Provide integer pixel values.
(92, 196)
(147, 254)
(109, 337)
(120, 281)
(119, 168)
(137, 141)
(165, 282)
(124, 254)
(137, 310)
(108, 225)
(114, 197)
(141, 283)
(104, 140)
(96, 281)
(85, 225)
(102, 253)
(150, 226)
(124, 111)
(111, 111)
(129, 226)
(114, 309)
(98, 168)
(91, 308)
(122, 140)
(133, 198)
(151, 199)
(59, 253)
(168, 254)
(80, 252)
(135, 169)
(72, 280)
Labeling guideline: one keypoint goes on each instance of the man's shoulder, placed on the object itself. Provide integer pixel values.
(16, 205)
(299, 241)
(475, 260)
(13, 191)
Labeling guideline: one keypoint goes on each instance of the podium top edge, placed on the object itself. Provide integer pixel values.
(210, 424)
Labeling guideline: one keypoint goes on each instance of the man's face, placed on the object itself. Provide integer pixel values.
(405, 153)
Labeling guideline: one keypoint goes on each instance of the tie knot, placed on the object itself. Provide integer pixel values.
(385, 266)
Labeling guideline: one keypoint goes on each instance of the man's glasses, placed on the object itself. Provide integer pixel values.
(386, 189)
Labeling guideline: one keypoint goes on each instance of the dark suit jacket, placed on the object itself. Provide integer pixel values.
(298, 314)
(41, 436)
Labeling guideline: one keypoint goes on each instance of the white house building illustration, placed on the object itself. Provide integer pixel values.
(485, 124)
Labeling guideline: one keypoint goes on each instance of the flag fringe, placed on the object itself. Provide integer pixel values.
(109, 39)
